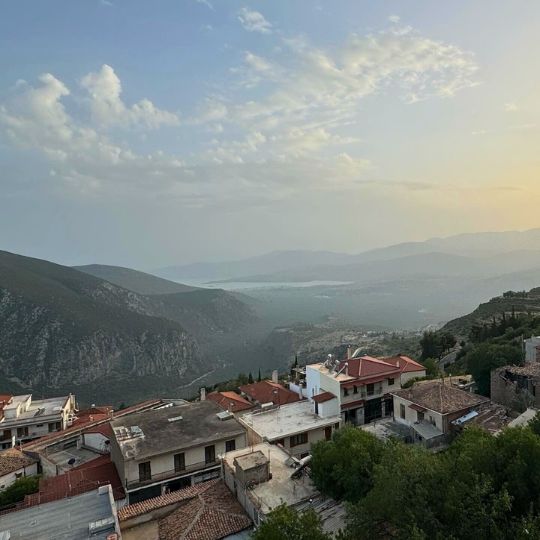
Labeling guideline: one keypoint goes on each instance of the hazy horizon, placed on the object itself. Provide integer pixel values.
(149, 135)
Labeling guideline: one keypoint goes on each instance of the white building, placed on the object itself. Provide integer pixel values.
(532, 349)
(25, 419)
(15, 464)
(360, 384)
(295, 426)
(172, 447)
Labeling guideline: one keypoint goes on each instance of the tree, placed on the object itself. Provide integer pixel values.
(534, 424)
(432, 368)
(250, 378)
(482, 359)
(286, 523)
(259, 378)
(16, 492)
(343, 467)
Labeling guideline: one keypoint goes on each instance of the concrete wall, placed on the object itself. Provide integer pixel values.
(96, 441)
(411, 416)
(164, 463)
(411, 375)
(532, 353)
(329, 408)
(512, 395)
(7, 479)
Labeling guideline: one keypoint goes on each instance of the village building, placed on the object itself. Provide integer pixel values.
(295, 427)
(361, 386)
(207, 510)
(516, 387)
(172, 447)
(230, 401)
(532, 349)
(15, 464)
(89, 515)
(262, 392)
(431, 408)
(265, 476)
(23, 419)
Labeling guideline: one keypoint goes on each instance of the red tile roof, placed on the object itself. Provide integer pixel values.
(230, 401)
(86, 477)
(367, 366)
(323, 396)
(404, 363)
(268, 391)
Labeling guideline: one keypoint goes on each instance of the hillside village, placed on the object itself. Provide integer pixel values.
(218, 466)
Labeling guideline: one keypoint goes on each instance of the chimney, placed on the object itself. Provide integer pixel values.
(275, 378)
(349, 352)
(203, 393)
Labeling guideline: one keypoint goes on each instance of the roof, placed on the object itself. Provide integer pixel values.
(93, 414)
(427, 430)
(532, 369)
(524, 418)
(368, 367)
(159, 431)
(291, 419)
(269, 392)
(323, 397)
(50, 407)
(13, 459)
(230, 401)
(405, 364)
(68, 518)
(439, 397)
(87, 477)
(205, 511)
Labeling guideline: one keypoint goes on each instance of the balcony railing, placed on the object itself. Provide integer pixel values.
(170, 475)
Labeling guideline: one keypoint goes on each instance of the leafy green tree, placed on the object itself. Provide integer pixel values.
(485, 357)
(21, 487)
(432, 368)
(534, 424)
(250, 378)
(343, 467)
(286, 523)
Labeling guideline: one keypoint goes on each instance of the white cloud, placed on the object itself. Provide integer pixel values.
(206, 3)
(510, 107)
(253, 21)
(394, 19)
(107, 107)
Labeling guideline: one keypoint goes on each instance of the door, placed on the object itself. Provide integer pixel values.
(328, 433)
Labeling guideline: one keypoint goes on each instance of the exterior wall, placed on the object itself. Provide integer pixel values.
(162, 466)
(7, 479)
(513, 394)
(532, 354)
(411, 416)
(411, 375)
(96, 441)
(328, 408)
(300, 449)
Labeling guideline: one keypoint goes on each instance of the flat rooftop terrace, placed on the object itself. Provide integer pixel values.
(281, 488)
(290, 419)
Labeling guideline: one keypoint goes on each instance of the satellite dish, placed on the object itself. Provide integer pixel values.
(71, 461)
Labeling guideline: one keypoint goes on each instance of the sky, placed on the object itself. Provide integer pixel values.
(148, 134)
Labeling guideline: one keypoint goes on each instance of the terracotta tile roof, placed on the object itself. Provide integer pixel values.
(230, 401)
(213, 514)
(105, 429)
(323, 396)
(268, 391)
(86, 477)
(404, 363)
(13, 459)
(143, 507)
(439, 397)
(368, 366)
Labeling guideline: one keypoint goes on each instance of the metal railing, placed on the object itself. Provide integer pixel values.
(171, 474)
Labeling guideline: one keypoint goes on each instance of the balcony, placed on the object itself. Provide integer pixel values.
(172, 474)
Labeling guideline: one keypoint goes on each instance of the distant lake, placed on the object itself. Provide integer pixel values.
(246, 285)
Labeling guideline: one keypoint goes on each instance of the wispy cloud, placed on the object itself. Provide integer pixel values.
(206, 3)
(253, 21)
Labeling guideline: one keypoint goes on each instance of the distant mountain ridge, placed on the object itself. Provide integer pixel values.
(323, 265)
(65, 330)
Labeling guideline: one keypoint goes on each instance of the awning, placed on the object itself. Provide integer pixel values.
(352, 405)
(426, 430)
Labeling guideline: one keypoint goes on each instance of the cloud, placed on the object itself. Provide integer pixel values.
(205, 3)
(108, 109)
(253, 21)
(510, 107)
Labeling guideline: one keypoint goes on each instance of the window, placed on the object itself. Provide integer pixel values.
(345, 392)
(209, 454)
(145, 471)
(179, 462)
(54, 426)
(355, 389)
(230, 445)
(18, 475)
(420, 416)
(39, 425)
(7, 434)
(296, 440)
(22, 431)
(370, 389)
(390, 382)
(402, 410)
